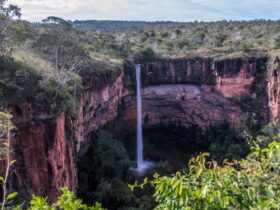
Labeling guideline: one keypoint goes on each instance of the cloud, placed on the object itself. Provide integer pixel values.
(176, 10)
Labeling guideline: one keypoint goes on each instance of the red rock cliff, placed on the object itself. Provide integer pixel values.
(98, 105)
(204, 91)
(45, 156)
(181, 91)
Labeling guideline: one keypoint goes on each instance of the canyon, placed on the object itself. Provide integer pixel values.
(184, 92)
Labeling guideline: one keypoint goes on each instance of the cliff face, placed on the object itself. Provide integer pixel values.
(182, 91)
(184, 105)
(45, 157)
(218, 92)
(272, 89)
(98, 105)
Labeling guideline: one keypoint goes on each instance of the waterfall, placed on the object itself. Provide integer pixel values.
(139, 119)
(141, 164)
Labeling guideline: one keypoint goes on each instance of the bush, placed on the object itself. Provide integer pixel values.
(67, 201)
(144, 55)
(252, 183)
(102, 171)
(277, 42)
(17, 80)
(219, 140)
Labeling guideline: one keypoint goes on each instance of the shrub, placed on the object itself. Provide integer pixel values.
(144, 55)
(16, 78)
(67, 201)
(102, 171)
(252, 183)
(277, 42)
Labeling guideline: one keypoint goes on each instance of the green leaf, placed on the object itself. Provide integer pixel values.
(180, 189)
(252, 193)
(199, 171)
(13, 162)
(11, 196)
(204, 190)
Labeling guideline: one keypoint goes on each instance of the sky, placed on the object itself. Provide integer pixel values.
(150, 10)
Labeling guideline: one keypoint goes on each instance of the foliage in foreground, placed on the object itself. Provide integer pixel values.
(253, 183)
(67, 201)
(6, 127)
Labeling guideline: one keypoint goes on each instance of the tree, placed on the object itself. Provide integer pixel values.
(60, 45)
(18, 32)
(6, 128)
(277, 42)
(7, 13)
(102, 171)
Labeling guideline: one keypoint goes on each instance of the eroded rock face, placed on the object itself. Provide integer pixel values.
(45, 158)
(177, 71)
(273, 91)
(236, 77)
(220, 83)
(98, 105)
(184, 105)
(232, 86)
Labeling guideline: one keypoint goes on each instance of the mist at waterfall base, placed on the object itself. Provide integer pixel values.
(142, 165)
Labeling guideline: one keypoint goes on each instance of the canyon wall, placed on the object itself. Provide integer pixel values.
(184, 105)
(190, 91)
(205, 91)
(98, 106)
(45, 155)
(45, 151)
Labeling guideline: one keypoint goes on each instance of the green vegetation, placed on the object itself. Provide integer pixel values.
(180, 144)
(102, 171)
(7, 13)
(57, 52)
(55, 60)
(174, 39)
(103, 177)
(28, 84)
(67, 201)
(267, 134)
(6, 128)
(252, 183)
(45, 62)
(16, 78)
(277, 42)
